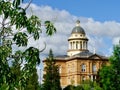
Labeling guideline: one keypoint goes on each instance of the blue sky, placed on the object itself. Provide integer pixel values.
(99, 18)
(100, 10)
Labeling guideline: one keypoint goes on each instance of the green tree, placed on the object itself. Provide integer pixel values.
(32, 82)
(79, 87)
(96, 86)
(70, 87)
(110, 75)
(51, 76)
(16, 28)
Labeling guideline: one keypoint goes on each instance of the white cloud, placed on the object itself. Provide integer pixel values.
(116, 40)
(64, 22)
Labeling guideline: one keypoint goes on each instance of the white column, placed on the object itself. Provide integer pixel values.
(86, 44)
(72, 46)
(69, 45)
(78, 45)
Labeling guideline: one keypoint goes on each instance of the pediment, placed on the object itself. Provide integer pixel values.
(95, 56)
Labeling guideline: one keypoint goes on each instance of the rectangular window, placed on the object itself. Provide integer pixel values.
(83, 68)
(94, 68)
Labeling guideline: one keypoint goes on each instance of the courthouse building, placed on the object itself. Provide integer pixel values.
(79, 64)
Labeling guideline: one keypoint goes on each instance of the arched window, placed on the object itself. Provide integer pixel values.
(83, 68)
(94, 69)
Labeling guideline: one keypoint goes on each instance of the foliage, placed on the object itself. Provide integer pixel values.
(32, 82)
(97, 86)
(41, 87)
(79, 87)
(72, 87)
(110, 75)
(87, 85)
(51, 76)
(69, 87)
(16, 28)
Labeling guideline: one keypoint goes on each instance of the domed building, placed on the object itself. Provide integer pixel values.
(79, 64)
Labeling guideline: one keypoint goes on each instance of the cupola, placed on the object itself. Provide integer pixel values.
(78, 28)
(77, 41)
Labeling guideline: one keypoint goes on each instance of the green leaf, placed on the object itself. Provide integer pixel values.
(21, 39)
(16, 3)
(32, 55)
(50, 28)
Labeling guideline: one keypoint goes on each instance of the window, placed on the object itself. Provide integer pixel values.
(75, 35)
(83, 68)
(94, 69)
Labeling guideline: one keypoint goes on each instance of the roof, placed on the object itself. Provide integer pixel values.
(83, 55)
(61, 57)
(78, 28)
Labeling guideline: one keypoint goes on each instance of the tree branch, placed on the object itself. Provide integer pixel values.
(43, 48)
(28, 4)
